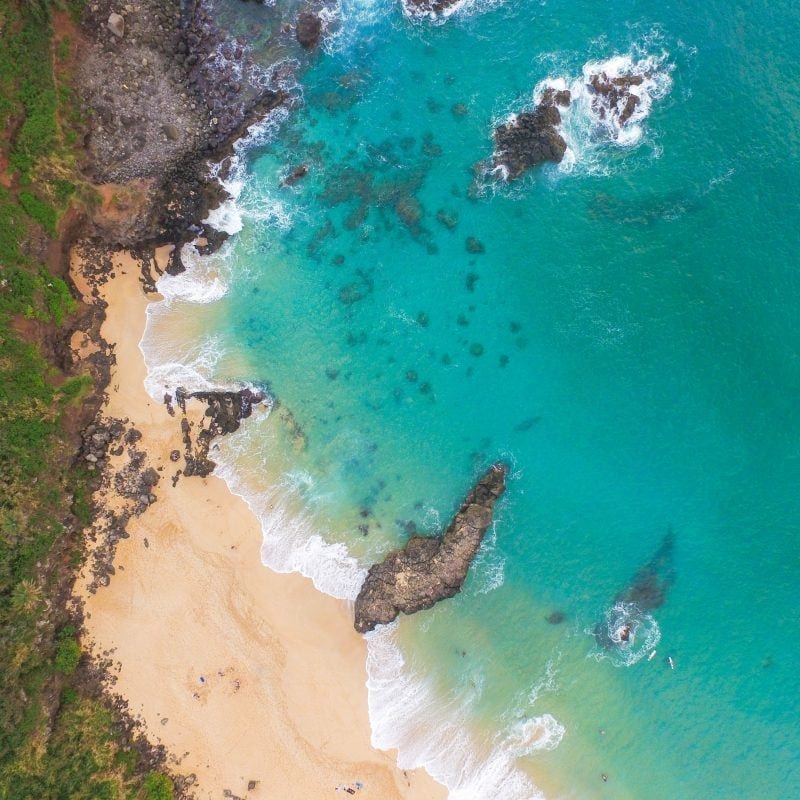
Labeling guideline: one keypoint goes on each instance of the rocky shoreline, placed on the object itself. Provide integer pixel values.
(429, 569)
(167, 91)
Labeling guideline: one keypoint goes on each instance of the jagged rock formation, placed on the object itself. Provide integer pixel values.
(613, 98)
(532, 137)
(224, 410)
(430, 569)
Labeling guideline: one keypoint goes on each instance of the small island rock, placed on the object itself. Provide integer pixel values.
(430, 568)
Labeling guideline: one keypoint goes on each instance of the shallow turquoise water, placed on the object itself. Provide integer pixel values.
(628, 341)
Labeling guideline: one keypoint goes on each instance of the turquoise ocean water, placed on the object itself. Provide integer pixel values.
(627, 339)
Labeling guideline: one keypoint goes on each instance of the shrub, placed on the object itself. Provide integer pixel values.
(158, 787)
(58, 298)
(63, 190)
(68, 654)
(40, 211)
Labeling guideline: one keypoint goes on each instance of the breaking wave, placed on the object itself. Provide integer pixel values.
(431, 731)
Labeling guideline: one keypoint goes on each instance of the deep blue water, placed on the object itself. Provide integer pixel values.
(628, 340)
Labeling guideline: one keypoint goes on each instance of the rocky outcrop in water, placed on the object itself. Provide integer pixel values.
(308, 29)
(430, 569)
(532, 137)
(613, 99)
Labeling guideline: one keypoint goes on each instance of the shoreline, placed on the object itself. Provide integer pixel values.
(208, 646)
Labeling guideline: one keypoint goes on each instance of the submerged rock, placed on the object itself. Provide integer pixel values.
(532, 137)
(649, 586)
(647, 591)
(430, 569)
(309, 29)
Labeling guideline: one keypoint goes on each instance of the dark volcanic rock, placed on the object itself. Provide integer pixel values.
(430, 569)
(298, 173)
(613, 98)
(225, 411)
(309, 29)
(228, 409)
(532, 137)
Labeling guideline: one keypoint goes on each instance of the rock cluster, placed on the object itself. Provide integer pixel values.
(109, 446)
(430, 569)
(531, 137)
(613, 99)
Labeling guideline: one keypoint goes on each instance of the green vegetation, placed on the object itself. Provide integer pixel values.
(158, 787)
(40, 211)
(59, 738)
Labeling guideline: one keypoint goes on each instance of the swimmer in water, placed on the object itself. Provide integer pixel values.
(625, 633)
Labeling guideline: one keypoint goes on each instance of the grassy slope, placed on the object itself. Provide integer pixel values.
(58, 737)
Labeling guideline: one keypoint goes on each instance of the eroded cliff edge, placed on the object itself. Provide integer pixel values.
(430, 568)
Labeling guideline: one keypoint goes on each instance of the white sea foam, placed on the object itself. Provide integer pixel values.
(591, 124)
(621, 620)
(290, 541)
(205, 280)
(462, 8)
(538, 733)
(489, 566)
(346, 22)
(547, 683)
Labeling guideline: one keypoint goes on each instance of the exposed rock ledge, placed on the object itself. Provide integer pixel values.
(224, 412)
(430, 569)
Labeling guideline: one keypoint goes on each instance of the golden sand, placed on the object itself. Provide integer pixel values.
(241, 673)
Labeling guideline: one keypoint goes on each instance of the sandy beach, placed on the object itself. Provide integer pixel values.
(253, 681)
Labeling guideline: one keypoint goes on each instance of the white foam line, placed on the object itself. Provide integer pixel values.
(432, 732)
